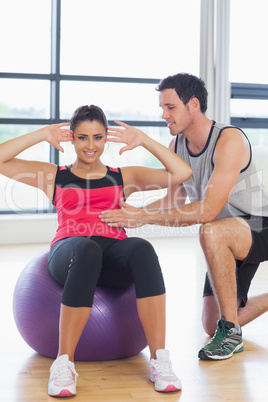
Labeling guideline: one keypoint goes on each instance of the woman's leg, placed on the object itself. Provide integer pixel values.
(152, 313)
(134, 260)
(72, 323)
(75, 263)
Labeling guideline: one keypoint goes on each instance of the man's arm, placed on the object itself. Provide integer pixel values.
(231, 156)
(175, 196)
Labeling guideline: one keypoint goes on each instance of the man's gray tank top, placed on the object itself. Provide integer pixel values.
(249, 196)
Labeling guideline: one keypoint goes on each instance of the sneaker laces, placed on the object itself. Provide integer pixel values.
(164, 367)
(221, 332)
(63, 372)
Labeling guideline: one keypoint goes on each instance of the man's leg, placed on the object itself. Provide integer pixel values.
(255, 307)
(224, 242)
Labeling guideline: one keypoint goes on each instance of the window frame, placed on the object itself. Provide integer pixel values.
(55, 79)
(249, 91)
(238, 91)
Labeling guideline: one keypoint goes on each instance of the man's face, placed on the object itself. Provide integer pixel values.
(175, 112)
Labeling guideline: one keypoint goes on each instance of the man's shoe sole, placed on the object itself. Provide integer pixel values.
(203, 356)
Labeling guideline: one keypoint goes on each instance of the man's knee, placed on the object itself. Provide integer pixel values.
(207, 233)
(210, 314)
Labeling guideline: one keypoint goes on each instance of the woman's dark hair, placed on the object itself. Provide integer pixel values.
(187, 86)
(88, 113)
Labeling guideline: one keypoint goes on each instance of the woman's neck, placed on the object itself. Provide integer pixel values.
(88, 170)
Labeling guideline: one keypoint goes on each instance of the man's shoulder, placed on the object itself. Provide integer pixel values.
(172, 144)
(227, 127)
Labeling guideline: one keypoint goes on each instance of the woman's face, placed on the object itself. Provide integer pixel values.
(89, 140)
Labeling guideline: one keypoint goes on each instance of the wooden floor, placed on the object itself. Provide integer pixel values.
(24, 374)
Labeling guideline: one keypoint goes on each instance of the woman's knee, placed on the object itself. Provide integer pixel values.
(136, 243)
(142, 258)
(75, 256)
(146, 270)
(86, 260)
(137, 249)
(87, 249)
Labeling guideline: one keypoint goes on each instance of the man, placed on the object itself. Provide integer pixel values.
(227, 199)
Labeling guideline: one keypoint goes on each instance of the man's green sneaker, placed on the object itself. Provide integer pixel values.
(224, 343)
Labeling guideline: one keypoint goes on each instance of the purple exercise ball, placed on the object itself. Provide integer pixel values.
(113, 331)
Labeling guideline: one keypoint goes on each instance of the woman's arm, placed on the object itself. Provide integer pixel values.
(141, 178)
(33, 173)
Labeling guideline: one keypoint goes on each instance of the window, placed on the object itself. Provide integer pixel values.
(16, 196)
(120, 100)
(248, 30)
(130, 38)
(63, 54)
(25, 36)
(248, 69)
(25, 98)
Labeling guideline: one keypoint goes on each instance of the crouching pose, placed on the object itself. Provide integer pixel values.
(86, 252)
(227, 198)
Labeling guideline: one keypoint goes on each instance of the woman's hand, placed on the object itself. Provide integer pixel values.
(28, 172)
(129, 135)
(56, 133)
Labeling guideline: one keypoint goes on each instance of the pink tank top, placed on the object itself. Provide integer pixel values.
(79, 202)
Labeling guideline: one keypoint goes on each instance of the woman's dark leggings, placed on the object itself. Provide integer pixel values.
(82, 263)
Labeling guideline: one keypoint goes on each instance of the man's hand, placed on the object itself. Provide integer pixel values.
(127, 216)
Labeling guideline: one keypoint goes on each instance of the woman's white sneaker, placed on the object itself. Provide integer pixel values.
(63, 377)
(162, 374)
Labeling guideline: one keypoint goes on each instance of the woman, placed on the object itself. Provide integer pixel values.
(85, 251)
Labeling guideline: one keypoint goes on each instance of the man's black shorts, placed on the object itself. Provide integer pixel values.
(245, 270)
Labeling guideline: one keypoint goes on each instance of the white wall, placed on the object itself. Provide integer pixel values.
(23, 229)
